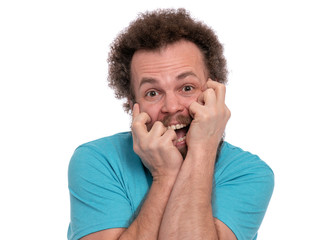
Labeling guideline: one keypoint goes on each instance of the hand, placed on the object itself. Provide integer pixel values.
(210, 116)
(155, 148)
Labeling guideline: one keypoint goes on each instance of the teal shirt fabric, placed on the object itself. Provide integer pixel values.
(108, 183)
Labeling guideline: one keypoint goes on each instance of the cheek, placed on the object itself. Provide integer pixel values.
(192, 99)
(152, 110)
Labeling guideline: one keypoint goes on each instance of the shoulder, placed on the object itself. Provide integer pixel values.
(106, 146)
(122, 140)
(103, 155)
(242, 190)
(235, 162)
(99, 184)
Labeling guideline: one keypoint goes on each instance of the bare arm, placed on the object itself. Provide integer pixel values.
(188, 214)
(180, 197)
(147, 223)
(163, 160)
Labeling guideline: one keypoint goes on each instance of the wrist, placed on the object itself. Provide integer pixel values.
(200, 151)
(165, 180)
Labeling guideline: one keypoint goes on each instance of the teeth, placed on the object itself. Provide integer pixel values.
(181, 139)
(177, 126)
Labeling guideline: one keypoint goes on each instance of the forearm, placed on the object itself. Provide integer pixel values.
(188, 214)
(147, 223)
(159, 155)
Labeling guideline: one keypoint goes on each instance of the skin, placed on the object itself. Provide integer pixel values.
(169, 83)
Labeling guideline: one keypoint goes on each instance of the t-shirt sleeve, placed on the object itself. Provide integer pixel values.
(97, 195)
(242, 192)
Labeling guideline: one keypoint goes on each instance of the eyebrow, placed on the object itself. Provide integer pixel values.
(186, 74)
(147, 80)
(179, 77)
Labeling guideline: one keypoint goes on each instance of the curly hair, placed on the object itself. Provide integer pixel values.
(154, 30)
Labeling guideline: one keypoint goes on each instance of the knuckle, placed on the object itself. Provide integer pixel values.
(206, 116)
(135, 124)
(151, 146)
(222, 111)
(221, 87)
(228, 113)
(192, 105)
(158, 124)
(161, 145)
(170, 132)
(209, 91)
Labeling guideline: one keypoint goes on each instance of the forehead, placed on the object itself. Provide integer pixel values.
(169, 60)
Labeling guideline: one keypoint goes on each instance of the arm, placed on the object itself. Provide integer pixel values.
(147, 223)
(163, 160)
(189, 207)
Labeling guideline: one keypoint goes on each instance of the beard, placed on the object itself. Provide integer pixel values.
(181, 119)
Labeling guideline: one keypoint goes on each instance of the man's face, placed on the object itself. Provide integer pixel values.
(166, 82)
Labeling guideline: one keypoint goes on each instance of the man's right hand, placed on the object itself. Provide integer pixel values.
(155, 147)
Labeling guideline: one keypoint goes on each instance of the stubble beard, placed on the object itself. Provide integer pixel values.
(181, 119)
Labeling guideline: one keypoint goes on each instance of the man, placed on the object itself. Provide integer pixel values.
(172, 176)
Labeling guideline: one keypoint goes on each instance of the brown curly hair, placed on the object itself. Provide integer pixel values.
(153, 30)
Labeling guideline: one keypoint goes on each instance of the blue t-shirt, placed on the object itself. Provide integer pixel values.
(108, 182)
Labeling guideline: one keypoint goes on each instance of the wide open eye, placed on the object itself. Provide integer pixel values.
(151, 93)
(188, 88)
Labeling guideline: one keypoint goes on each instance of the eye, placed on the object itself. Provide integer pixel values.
(187, 88)
(152, 93)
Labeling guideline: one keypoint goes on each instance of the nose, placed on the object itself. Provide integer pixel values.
(172, 104)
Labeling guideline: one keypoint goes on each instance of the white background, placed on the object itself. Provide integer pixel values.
(54, 96)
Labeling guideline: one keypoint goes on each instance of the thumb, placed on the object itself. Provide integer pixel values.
(135, 111)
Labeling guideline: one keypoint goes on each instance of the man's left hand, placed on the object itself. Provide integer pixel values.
(210, 116)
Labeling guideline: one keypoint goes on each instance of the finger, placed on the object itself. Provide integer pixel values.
(139, 128)
(200, 98)
(139, 121)
(194, 108)
(209, 97)
(158, 129)
(140, 116)
(170, 134)
(219, 88)
(135, 111)
(228, 113)
(142, 119)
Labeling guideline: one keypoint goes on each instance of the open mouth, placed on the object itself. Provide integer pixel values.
(181, 132)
